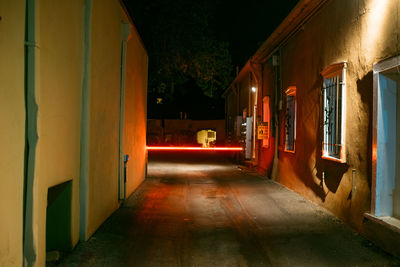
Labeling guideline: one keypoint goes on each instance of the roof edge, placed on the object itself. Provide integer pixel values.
(300, 14)
(239, 75)
(123, 6)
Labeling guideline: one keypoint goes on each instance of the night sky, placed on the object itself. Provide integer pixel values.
(247, 24)
(243, 26)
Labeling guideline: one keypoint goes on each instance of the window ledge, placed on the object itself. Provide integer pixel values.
(386, 221)
(383, 231)
(289, 151)
(333, 159)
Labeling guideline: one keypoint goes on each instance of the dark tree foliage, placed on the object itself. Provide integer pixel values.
(247, 24)
(190, 64)
(183, 52)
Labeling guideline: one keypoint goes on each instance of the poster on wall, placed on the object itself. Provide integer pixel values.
(262, 130)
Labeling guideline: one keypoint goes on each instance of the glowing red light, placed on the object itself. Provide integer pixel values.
(194, 148)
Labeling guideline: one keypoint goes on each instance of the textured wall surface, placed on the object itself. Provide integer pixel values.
(59, 72)
(107, 19)
(58, 92)
(360, 33)
(12, 131)
(104, 111)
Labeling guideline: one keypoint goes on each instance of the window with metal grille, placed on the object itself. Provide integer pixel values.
(333, 92)
(290, 126)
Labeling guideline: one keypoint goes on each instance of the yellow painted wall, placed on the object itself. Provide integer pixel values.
(135, 111)
(12, 131)
(361, 33)
(107, 16)
(59, 89)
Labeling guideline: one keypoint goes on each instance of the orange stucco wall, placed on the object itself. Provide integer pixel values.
(360, 33)
(266, 153)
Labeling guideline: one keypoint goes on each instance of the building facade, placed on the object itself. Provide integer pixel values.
(73, 104)
(329, 76)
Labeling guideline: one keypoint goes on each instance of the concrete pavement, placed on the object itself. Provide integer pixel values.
(204, 211)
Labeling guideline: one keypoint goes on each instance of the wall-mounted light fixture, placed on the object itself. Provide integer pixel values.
(253, 89)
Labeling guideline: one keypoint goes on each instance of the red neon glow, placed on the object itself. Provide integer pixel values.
(194, 148)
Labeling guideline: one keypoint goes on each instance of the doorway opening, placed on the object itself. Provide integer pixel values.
(58, 218)
(386, 163)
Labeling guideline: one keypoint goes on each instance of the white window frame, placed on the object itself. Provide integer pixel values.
(335, 74)
(291, 92)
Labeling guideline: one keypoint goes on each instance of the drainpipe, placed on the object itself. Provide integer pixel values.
(125, 31)
(85, 124)
(261, 91)
(255, 118)
(258, 80)
(237, 95)
(255, 125)
(274, 173)
(249, 98)
(126, 158)
(29, 250)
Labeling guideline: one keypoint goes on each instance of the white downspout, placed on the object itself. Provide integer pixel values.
(125, 31)
(85, 124)
(29, 250)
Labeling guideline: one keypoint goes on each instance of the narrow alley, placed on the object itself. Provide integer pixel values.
(193, 211)
(199, 133)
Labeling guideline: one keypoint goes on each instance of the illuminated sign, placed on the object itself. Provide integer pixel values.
(262, 130)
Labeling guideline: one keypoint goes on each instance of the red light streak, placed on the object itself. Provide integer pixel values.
(194, 148)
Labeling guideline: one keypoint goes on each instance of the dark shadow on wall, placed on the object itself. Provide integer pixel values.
(308, 143)
(366, 91)
(329, 172)
(334, 171)
(316, 186)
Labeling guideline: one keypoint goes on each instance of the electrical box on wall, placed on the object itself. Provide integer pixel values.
(275, 60)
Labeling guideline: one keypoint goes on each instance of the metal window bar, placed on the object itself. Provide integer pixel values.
(332, 120)
(332, 98)
(338, 117)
